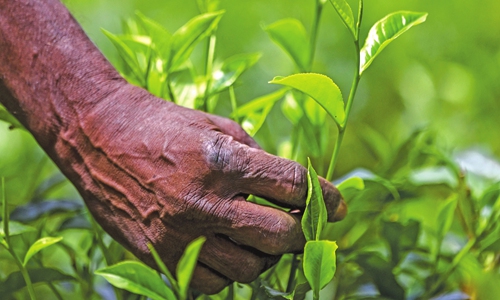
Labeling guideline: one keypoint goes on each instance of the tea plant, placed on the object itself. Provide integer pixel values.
(421, 225)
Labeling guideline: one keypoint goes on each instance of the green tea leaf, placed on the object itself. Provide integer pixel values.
(163, 268)
(254, 120)
(186, 265)
(137, 278)
(446, 214)
(128, 56)
(315, 214)
(345, 12)
(353, 182)
(188, 36)
(208, 5)
(39, 245)
(385, 31)
(258, 103)
(319, 87)
(291, 36)
(160, 36)
(231, 69)
(319, 263)
(291, 109)
(16, 228)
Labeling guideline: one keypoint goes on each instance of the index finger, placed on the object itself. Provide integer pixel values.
(281, 181)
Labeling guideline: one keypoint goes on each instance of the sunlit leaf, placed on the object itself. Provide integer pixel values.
(258, 103)
(160, 36)
(345, 12)
(291, 109)
(314, 112)
(351, 183)
(385, 31)
(231, 69)
(254, 120)
(291, 36)
(128, 56)
(319, 87)
(315, 214)
(137, 278)
(39, 245)
(163, 268)
(188, 36)
(319, 263)
(186, 265)
(254, 113)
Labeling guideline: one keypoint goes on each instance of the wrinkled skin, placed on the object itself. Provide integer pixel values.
(148, 170)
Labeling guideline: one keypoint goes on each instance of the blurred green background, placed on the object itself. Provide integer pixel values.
(442, 75)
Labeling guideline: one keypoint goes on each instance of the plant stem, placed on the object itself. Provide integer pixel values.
(350, 100)
(105, 253)
(208, 70)
(22, 268)
(234, 104)
(314, 34)
(456, 260)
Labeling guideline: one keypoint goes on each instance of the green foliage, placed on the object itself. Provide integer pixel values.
(137, 278)
(385, 31)
(319, 264)
(291, 36)
(319, 87)
(315, 214)
(38, 246)
(345, 12)
(423, 221)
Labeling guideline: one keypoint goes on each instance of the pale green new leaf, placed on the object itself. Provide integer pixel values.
(254, 120)
(137, 278)
(345, 12)
(319, 263)
(385, 31)
(163, 268)
(258, 103)
(231, 70)
(291, 36)
(315, 215)
(188, 36)
(127, 55)
(39, 245)
(353, 182)
(319, 87)
(186, 265)
(159, 35)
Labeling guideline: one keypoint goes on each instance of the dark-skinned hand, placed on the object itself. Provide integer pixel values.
(149, 170)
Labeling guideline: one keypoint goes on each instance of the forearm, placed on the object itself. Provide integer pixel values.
(62, 89)
(50, 72)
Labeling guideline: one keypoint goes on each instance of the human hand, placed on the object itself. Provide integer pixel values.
(153, 172)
